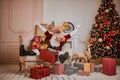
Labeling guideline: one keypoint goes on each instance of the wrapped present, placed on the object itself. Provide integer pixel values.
(74, 68)
(39, 72)
(67, 65)
(45, 46)
(92, 67)
(86, 67)
(58, 69)
(61, 28)
(82, 73)
(49, 56)
(64, 26)
(98, 68)
(79, 65)
(109, 66)
(69, 71)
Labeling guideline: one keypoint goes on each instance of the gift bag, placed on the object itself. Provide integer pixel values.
(58, 69)
(109, 66)
(86, 67)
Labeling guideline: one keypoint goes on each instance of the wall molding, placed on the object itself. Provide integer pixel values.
(0, 18)
(12, 27)
(8, 41)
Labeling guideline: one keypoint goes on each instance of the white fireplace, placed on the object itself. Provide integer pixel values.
(73, 45)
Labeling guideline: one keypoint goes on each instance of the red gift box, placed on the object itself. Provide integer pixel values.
(49, 56)
(109, 66)
(38, 72)
(58, 69)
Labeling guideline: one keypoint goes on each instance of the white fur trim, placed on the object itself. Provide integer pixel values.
(36, 51)
(54, 42)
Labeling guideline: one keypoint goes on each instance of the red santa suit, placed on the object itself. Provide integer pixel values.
(53, 42)
(57, 45)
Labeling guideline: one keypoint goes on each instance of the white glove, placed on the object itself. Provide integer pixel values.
(73, 32)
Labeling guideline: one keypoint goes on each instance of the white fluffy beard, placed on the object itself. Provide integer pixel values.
(54, 42)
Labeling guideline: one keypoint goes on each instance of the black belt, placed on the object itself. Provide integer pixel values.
(56, 48)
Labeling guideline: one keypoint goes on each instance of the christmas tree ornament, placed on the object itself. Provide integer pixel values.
(108, 53)
(107, 11)
(111, 33)
(115, 22)
(105, 22)
(108, 47)
(96, 25)
(100, 40)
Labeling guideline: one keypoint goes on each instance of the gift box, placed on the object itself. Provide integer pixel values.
(86, 67)
(49, 56)
(74, 68)
(58, 69)
(39, 72)
(61, 28)
(69, 71)
(67, 65)
(98, 68)
(82, 73)
(92, 65)
(79, 65)
(109, 66)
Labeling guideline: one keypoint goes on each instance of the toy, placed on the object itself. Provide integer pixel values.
(56, 40)
(82, 57)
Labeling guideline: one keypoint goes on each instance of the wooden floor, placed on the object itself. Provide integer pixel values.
(11, 72)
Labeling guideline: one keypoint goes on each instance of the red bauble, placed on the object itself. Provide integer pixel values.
(105, 22)
(112, 33)
(108, 53)
(91, 39)
(105, 37)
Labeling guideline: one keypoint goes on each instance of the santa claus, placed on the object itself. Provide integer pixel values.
(56, 41)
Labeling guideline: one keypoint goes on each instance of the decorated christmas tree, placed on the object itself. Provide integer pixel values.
(105, 33)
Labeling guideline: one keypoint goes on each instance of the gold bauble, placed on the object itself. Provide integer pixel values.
(107, 47)
(100, 40)
(107, 10)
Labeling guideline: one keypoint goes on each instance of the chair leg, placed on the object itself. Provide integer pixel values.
(26, 67)
(20, 66)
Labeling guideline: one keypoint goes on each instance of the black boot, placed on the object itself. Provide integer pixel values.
(22, 51)
(66, 55)
(61, 58)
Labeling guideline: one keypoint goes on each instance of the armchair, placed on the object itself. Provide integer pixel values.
(45, 57)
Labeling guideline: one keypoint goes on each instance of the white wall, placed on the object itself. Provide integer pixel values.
(81, 12)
